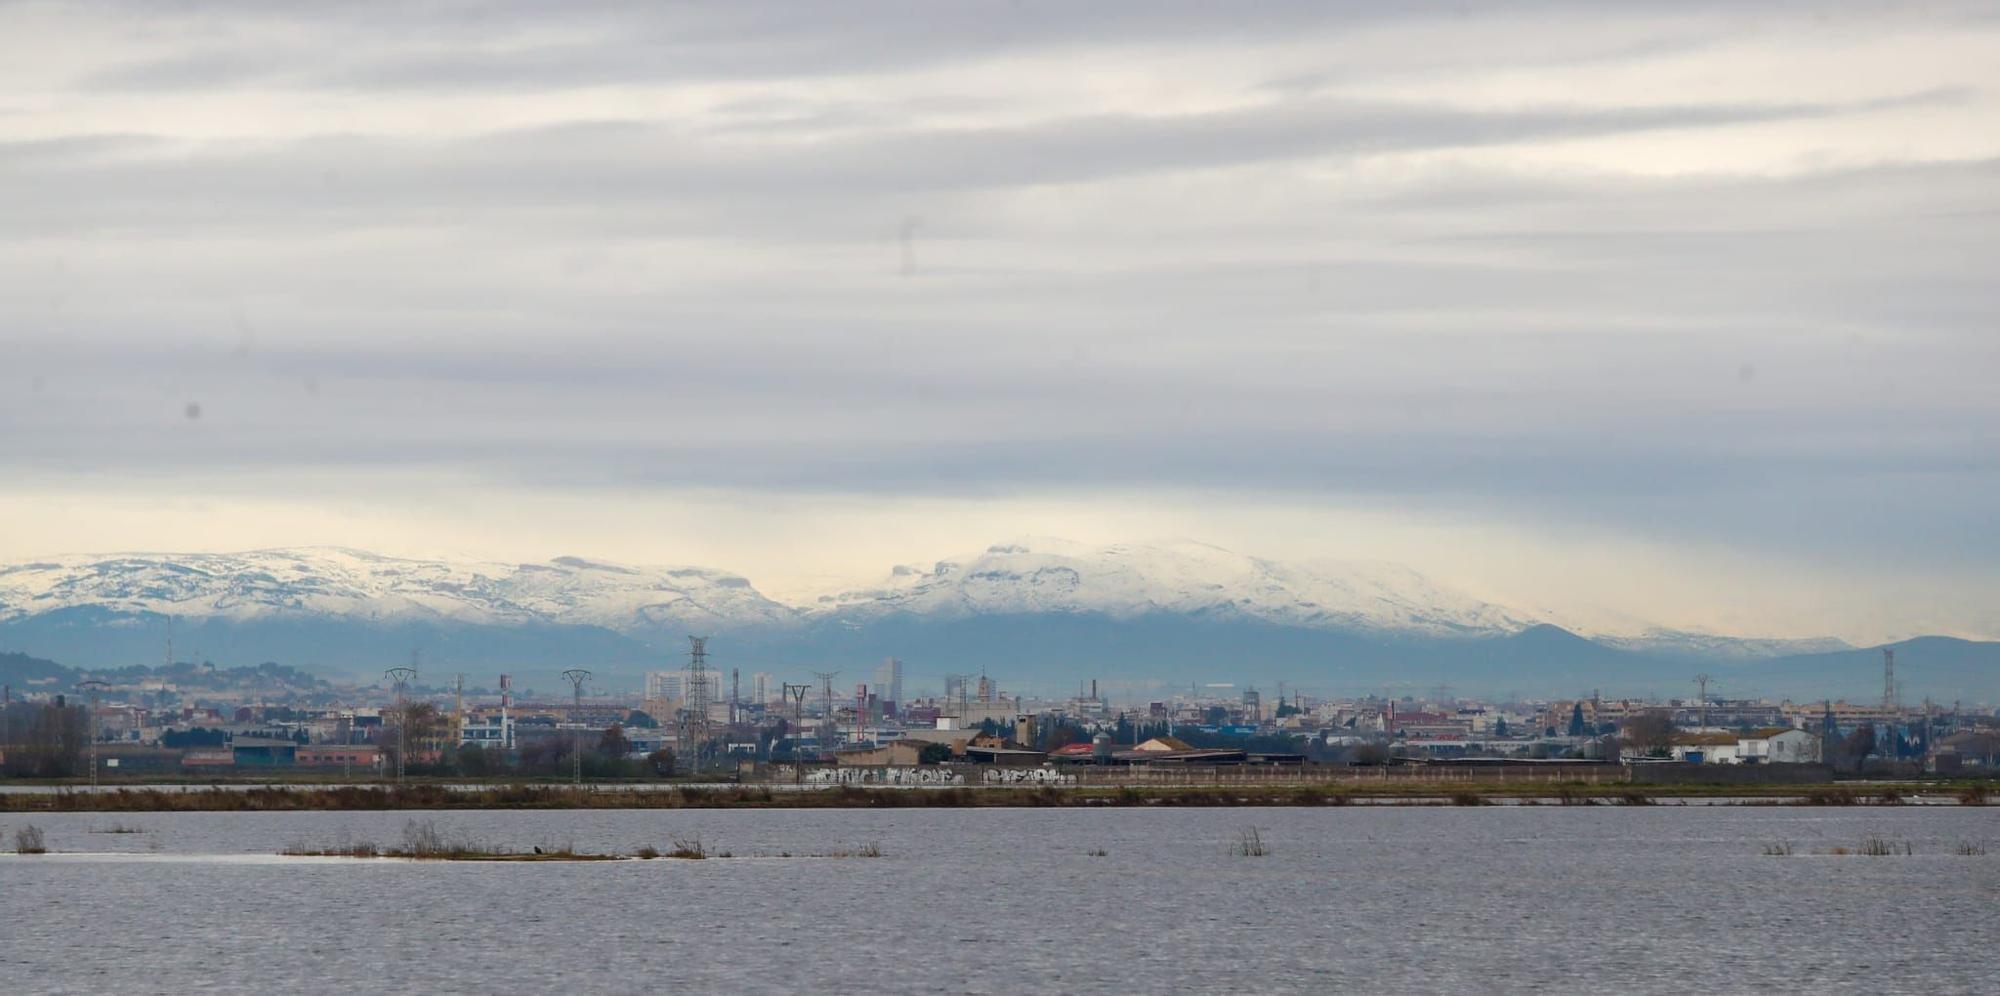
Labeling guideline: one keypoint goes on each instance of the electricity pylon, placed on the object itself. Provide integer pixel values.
(576, 676)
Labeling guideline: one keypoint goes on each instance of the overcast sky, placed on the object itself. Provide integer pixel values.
(1679, 313)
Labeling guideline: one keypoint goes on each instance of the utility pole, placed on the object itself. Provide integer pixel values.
(1702, 680)
(91, 687)
(402, 677)
(576, 676)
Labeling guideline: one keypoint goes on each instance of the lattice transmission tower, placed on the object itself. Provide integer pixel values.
(576, 676)
(402, 678)
(694, 718)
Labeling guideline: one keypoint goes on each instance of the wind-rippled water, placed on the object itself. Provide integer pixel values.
(1655, 899)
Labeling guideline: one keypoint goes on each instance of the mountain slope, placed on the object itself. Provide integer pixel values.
(1191, 580)
(332, 583)
(1938, 666)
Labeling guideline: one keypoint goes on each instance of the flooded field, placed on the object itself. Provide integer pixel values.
(1656, 899)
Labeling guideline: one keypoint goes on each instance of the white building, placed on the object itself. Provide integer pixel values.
(494, 731)
(1773, 745)
(1778, 746)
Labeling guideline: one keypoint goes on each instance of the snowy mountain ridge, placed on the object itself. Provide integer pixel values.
(1180, 578)
(1030, 576)
(338, 582)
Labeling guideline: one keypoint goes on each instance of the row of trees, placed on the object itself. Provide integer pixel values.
(433, 751)
(44, 740)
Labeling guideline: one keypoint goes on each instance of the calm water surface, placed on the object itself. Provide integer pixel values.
(1640, 899)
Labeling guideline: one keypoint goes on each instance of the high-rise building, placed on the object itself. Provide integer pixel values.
(668, 685)
(889, 682)
(762, 688)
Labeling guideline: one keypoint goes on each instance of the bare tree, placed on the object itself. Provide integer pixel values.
(49, 740)
(1650, 731)
(417, 724)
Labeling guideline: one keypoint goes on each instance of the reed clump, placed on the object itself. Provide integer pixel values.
(28, 840)
(1879, 847)
(423, 841)
(1250, 844)
(689, 849)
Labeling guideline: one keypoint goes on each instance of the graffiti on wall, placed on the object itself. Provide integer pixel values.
(1027, 776)
(881, 776)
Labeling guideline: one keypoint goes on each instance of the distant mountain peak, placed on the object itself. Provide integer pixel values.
(341, 582)
(1179, 577)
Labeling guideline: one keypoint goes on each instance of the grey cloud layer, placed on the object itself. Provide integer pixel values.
(887, 290)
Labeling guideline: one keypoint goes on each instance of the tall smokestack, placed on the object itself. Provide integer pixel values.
(506, 702)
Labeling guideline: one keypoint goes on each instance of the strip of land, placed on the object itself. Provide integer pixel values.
(1411, 792)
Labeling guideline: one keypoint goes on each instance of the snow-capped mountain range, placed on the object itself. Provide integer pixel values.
(330, 581)
(1040, 611)
(1183, 579)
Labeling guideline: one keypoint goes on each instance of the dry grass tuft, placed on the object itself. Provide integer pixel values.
(28, 840)
(1250, 844)
(1879, 847)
